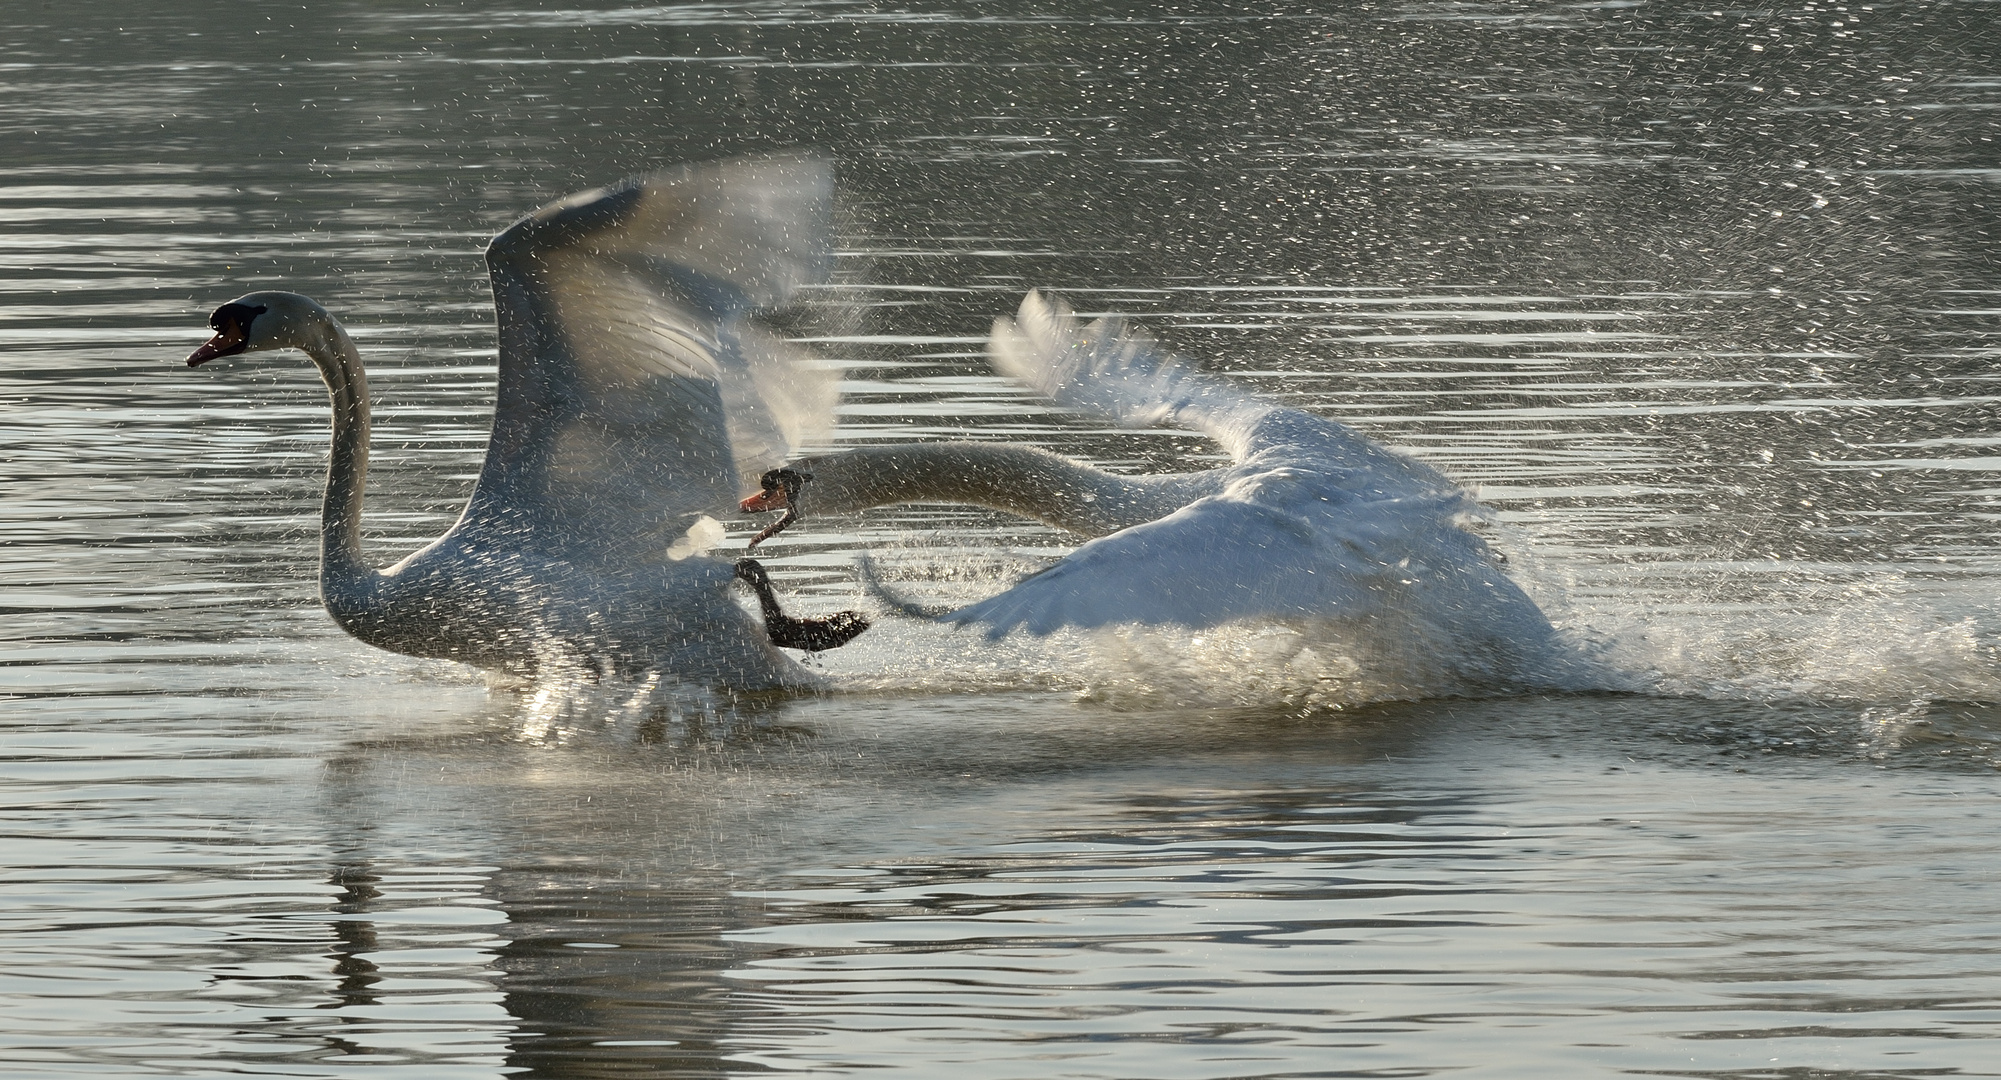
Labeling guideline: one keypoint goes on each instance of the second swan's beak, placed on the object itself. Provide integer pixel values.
(779, 487)
(781, 492)
(228, 341)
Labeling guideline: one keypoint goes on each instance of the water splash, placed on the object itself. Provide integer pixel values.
(1881, 638)
(556, 710)
(704, 536)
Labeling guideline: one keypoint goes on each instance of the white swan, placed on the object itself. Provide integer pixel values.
(633, 398)
(1310, 521)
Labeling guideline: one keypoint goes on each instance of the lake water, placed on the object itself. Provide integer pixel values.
(1705, 302)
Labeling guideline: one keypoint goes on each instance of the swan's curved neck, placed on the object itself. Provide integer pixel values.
(346, 583)
(1018, 479)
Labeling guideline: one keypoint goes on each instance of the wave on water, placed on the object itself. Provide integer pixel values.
(1874, 640)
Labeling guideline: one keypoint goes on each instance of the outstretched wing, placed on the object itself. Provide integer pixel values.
(625, 365)
(1112, 369)
(1166, 572)
(1259, 551)
(1107, 368)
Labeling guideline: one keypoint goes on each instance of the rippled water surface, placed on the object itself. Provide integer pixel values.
(1705, 302)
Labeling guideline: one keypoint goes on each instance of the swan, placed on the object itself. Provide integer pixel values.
(633, 400)
(1309, 521)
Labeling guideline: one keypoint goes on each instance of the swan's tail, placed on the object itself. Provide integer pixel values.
(1108, 368)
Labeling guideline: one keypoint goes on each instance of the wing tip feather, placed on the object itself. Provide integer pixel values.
(762, 223)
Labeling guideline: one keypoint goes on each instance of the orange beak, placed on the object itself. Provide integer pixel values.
(227, 342)
(771, 498)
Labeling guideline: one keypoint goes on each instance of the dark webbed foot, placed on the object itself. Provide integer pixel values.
(815, 635)
(786, 632)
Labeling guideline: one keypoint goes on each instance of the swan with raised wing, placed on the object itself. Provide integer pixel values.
(1309, 521)
(634, 398)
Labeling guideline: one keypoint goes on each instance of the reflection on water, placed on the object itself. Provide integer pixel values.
(1704, 300)
(844, 884)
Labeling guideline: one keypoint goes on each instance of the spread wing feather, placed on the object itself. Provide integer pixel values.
(1112, 369)
(778, 398)
(1107, 368)
(627, 373)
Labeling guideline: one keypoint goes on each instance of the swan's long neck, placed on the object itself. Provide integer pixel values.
(346, 583)
(1018, 479)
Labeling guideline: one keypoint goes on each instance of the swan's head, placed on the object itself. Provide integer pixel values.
(258, 321)
(779, 490)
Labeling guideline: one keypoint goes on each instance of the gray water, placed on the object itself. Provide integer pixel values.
(1705, 302)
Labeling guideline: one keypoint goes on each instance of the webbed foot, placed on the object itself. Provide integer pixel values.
(811, 634)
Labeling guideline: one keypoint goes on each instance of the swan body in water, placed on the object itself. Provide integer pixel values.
(1310, 521)
(633, 399)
